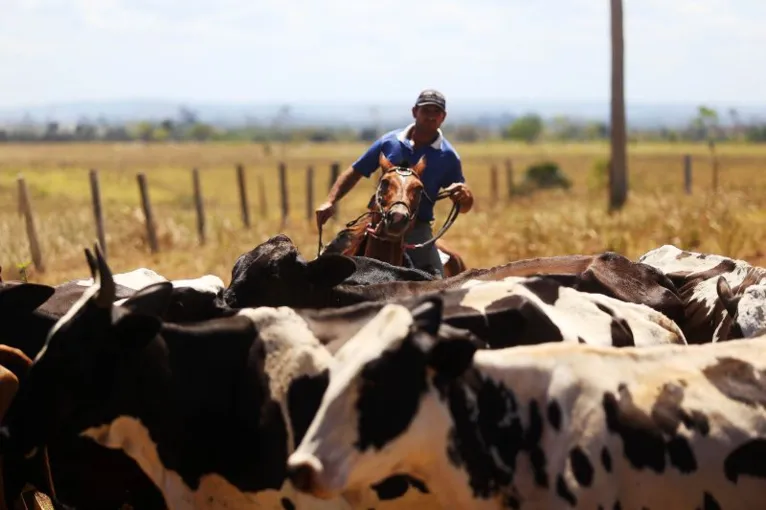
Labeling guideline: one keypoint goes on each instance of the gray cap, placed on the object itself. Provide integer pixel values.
(431, 96)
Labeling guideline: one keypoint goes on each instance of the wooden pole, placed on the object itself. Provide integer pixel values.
(714, 156)
(262, 197)
(493, 183)
(618, 173)
(334, 174)
(310, 193)
(146, 204)
(200, 206)
(243, 195)
(25, 207)
(98, 212)
(283, 192)
(688, 174)
(509, 177)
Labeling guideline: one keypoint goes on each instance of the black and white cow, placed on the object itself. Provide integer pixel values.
(723, 298)
(555, 427)
(518, 311)
(85, 475)
(209, 411)
(274, 274)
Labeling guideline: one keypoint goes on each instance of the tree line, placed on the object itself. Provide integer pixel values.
(706, 125)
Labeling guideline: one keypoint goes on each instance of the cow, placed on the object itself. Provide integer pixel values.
(208, 410)
(711, 307)
(84, 474)
(274, 274)
(517, 311)
(553, 426)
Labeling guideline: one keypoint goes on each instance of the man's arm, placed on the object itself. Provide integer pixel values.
(455, 183)
(362, 167)
(345, 183)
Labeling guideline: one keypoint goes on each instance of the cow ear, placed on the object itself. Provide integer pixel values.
(136, 330)
(153, 299)
(726, 295)
(24, 297)
(451, 355)
(427, 314)
(329, 270)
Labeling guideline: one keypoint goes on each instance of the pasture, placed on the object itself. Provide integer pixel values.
(731, 222)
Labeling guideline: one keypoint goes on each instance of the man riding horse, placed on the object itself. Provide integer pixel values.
(443, 170)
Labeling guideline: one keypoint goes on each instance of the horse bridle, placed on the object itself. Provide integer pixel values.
(406, 172)
(385, 213)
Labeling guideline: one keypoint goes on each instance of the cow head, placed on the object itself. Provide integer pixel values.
(274, 274)
(380, 412)
(746, 308)
(20, 297)
(74, 372)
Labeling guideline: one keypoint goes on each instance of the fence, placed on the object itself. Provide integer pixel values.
(26, 208)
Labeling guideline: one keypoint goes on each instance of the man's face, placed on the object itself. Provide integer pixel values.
(429, 116)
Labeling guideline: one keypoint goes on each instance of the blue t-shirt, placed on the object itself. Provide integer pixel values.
(443, 166)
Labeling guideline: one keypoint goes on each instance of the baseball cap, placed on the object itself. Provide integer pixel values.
(431, 96)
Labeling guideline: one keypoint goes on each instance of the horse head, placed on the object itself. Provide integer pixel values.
(397, 198)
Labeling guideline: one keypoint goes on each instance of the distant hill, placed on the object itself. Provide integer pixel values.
(485, 113)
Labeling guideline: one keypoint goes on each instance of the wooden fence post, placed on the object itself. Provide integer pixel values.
(283, 192)
(146, 204)
(509, 177)
(98, 211)
(310, 193)
(262, 197)
(688, 174)
(25, 208)
(243, 195)
(493, 184)
(714, 157)
(199, 205)
(334, 173)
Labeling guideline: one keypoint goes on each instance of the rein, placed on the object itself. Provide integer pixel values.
(451, 217)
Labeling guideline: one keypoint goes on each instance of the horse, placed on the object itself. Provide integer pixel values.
(393, 211)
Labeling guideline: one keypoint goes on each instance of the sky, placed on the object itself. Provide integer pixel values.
(233, 51)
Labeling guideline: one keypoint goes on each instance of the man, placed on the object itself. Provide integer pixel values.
(443, 170)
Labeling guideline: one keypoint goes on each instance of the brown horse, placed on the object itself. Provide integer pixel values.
(392, 211)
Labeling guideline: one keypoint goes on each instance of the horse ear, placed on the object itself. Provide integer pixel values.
(421, 165)
(385, 164)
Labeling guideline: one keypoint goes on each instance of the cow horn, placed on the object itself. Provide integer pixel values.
(107, 292)
(91, 263)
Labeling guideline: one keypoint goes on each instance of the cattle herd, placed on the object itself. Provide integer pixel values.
(571, 382)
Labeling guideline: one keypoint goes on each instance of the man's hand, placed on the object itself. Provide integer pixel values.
(461, 193)
(324, 212)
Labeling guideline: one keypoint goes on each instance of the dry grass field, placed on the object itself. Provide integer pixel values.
(731, 222)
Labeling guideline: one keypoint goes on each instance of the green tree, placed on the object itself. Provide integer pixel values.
(527, 128)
